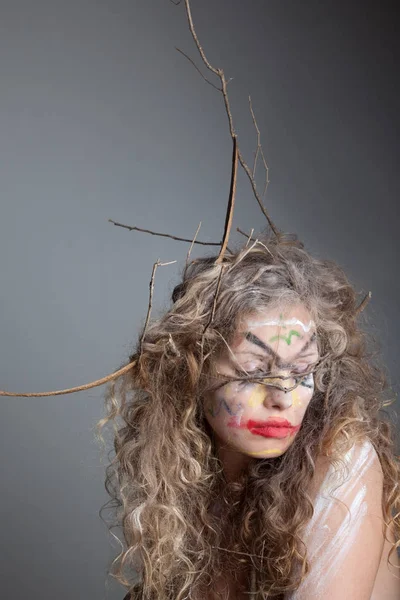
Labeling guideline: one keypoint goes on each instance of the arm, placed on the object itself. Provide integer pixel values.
(344, 547)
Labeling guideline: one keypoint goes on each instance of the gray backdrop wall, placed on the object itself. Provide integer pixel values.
(101, 118)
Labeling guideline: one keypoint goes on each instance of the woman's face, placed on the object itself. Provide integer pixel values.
(252, 418)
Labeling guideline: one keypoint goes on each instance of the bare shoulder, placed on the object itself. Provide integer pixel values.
(345, 536)
(360, 465)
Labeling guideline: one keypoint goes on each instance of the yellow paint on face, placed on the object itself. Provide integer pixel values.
(265, 452)
(296, 398)
(257, 396)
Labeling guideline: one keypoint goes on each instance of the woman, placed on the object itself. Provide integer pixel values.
(254, 458)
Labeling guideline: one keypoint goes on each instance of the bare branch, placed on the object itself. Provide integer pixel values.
(258, 139)
(215, 299)
(231, 202)
(193, 242)
(151, 286)
(79, 388)
(257, 195)
(173, 237)
(220, 74)
(249, 236)
(196, 39)
(107, 378)
(259, 150)
(198, 70)
(363, 304)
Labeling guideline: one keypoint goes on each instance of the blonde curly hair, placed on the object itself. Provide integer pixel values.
(166, 475)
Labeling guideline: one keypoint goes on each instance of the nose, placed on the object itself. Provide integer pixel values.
(276, 398)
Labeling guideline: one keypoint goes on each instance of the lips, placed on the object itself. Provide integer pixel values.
(275, 427)
(273, 422)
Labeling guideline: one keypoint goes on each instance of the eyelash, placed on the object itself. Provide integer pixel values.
(263, 372)
(242, 384)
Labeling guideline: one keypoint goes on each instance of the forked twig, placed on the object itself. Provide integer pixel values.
(363, 304)
(259, 150)
(257, 195)
(173, 237)
(198, 70)
(248, 235)
(220, 74)
(107, 378)
(237, 157)
(151, 286)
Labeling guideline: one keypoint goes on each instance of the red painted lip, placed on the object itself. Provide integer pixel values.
(272, 422)
(276, 427)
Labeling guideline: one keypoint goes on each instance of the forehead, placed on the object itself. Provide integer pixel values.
(281, 334)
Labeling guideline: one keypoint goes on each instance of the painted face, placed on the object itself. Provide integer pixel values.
(261, 420)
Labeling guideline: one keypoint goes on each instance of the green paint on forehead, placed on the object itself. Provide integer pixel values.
(288, 338)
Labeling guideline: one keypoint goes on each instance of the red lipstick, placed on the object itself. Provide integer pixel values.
(275, 427)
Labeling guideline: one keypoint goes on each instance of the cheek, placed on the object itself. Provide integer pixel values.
(303, 393)
(227, 401)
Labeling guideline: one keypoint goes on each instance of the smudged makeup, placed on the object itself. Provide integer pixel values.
(264, 383)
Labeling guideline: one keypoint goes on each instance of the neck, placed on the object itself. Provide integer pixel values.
(233, 461)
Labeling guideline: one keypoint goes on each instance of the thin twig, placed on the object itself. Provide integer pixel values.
(249, 237)
(253, 584)
(243, 255)
(107, 378)
(246, 234)
(173, 237)
(198, 70)
(259, 150)
(363, 304)
(264, 246)
(220, 74)
(193, 242)
(231, 202)
(262, 557)
(257, 195)
(215, 299)
(258, 139)
(79, 388)
(151, 286)
(237, 552)
(196, 39)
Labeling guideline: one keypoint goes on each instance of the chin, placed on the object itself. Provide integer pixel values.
(267, 452)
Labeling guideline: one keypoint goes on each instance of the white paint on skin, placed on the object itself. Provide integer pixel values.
(328, 542)
(231, 406)
(282, 323)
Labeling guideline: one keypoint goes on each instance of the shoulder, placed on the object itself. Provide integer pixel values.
(346, 529)
(353, 471)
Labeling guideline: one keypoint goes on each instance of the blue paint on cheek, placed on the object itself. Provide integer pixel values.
(308, 382)
(220, 403)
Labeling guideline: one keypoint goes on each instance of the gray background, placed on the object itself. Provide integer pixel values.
(101, 118)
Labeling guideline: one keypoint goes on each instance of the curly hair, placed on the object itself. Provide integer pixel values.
(166, 476)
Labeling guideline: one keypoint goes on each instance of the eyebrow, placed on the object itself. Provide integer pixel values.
(256, 340)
